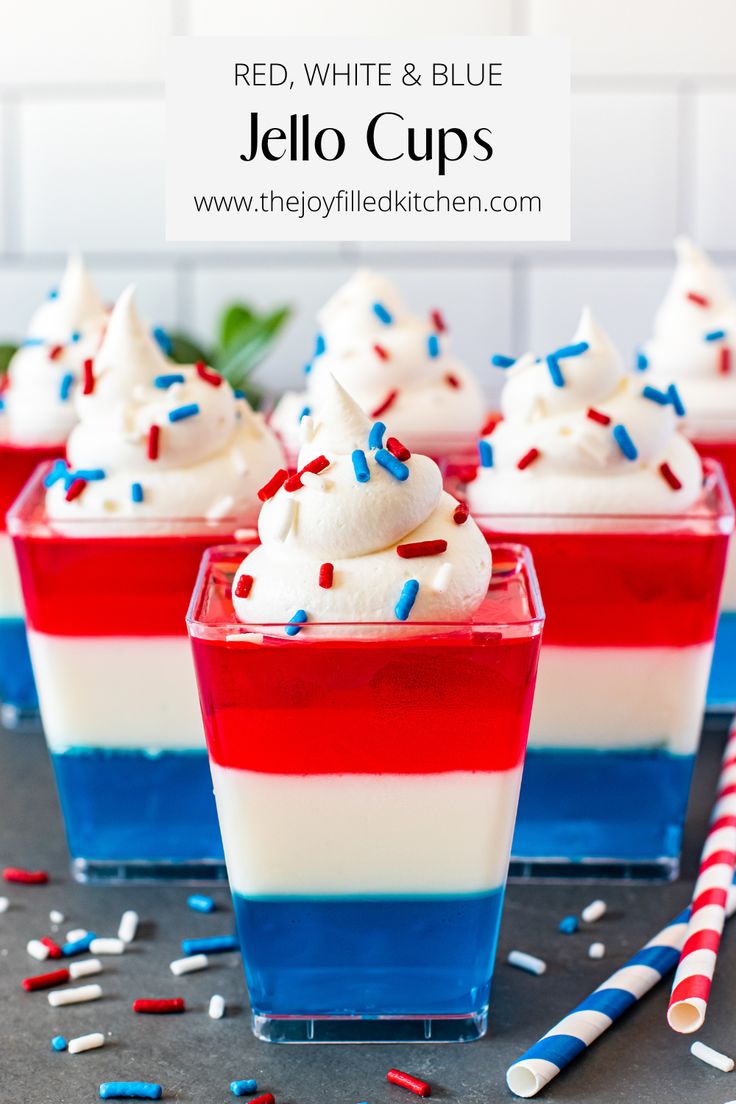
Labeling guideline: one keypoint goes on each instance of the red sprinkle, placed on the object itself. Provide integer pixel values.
(76, 489)
(669, 477)
(381, 352)
(160, 1007)
(413, 1084)
(154, 437)
(244, 586)
(490, 424)
(696, 297)
(264, 1098)
(396, 449)
(596, 416)
(274, 484)
(387, 402)
(45, 981)
(25, 877)
(453, 381)
(528, 458)
(438, 321)
(209, 377)
(294, 482)
(55, 352)
(461, 514)
(53, 948)
(89, 378)
(724, 360)
(326, 574)
(421, 548)
(467, 474)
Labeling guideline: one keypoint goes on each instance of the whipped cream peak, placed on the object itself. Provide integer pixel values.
(342, 426)
(73, 308)
(697, 294)
(128, 354)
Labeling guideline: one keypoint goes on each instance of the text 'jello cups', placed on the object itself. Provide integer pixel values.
(366, 685)
(629, 534)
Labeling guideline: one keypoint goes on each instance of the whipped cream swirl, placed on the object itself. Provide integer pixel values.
(42, 376)
(363, 533)
(394, 364)
(158, 440)
(581, 435)
(694, 343)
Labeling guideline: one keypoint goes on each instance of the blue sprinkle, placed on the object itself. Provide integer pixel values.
(183, 412)
(238, 393)
(360, 466)
(54, 293)
(33, 341)
(375, 438)
(571, 350)
(642, 361)
(164, 382)
(307, 368)
(136, 492)
(568, 925)
(2, 404)
(500, 361)
(216, 944)
(58, 1042)
(320, 345)
(307, 410)
(433, 345)
(654, 395)
(407, 599)
(130, 1090)
(76, 335)
(243, 1088)
(91, 475)
(79, 946)
(555, 371)
(624, 442)
(485, 451)
(294, 626)
(715, 335)
(676, 401)
(382, 314)
(163, 340)
(59, 471)
(66, 386)
(396, 467)
(201, 903)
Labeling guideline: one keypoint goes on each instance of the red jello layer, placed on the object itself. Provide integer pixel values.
(16, 467)
(725, 453)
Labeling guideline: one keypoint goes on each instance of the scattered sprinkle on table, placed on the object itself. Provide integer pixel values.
(594, 911)
(243, 1088)
(596, 950)
(188, 965)
(407, 1081)
(86, 1042)
(216, 944)
(568, 925)
(25, 877)
(130, 1090)
(216, 1008)
(201, 903)
(530, 963)
(58, 1042)
(107, 946)
(128, 926)
(712, 1057)
(160, 1007)
(79, 994)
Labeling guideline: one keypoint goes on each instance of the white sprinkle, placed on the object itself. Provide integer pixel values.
(283, 516)
(306, 429)
(4, 904)
(524, 961)
(241, 535)
(86, 1042)
(712, 1057)
(85, 968)
(249, 638)
(441, 580)
(189, 965)
(313, 480)
(75, 934)
(56, 917)
(222, 508)
(594, 911)
(596, 950)
(107, 946)
(77, 995)
(37, 950)
(128, 926)
(217, 1007)
(241, 464)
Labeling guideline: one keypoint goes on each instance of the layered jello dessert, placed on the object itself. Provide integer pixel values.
(366, 682)
(165, 460)
(397, 366)
(629, 531)
(694, 344)
(36, 416)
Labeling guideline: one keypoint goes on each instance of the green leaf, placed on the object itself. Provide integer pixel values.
(233, 319)
(249, 346)
(185, 350)
(6, 352)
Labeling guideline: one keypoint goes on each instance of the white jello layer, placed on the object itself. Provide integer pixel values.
(616, 698)
(117, 692)
(11, 600)
(350, 834)
(728, 594)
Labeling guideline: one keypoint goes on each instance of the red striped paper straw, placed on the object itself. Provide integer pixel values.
(691, 987)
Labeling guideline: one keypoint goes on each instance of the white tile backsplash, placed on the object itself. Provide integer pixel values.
(715, 169)
(642, 37)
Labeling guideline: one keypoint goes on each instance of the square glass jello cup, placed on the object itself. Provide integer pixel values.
(106, 604)
(366, 790)
(631, 604)
(18, 700)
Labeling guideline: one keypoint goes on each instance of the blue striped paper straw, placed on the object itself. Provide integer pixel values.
(586, 1023)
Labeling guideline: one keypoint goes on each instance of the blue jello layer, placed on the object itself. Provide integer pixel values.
(17, 686)
(131, 805)
(722, 683)
(624, 806)
(386, 956)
